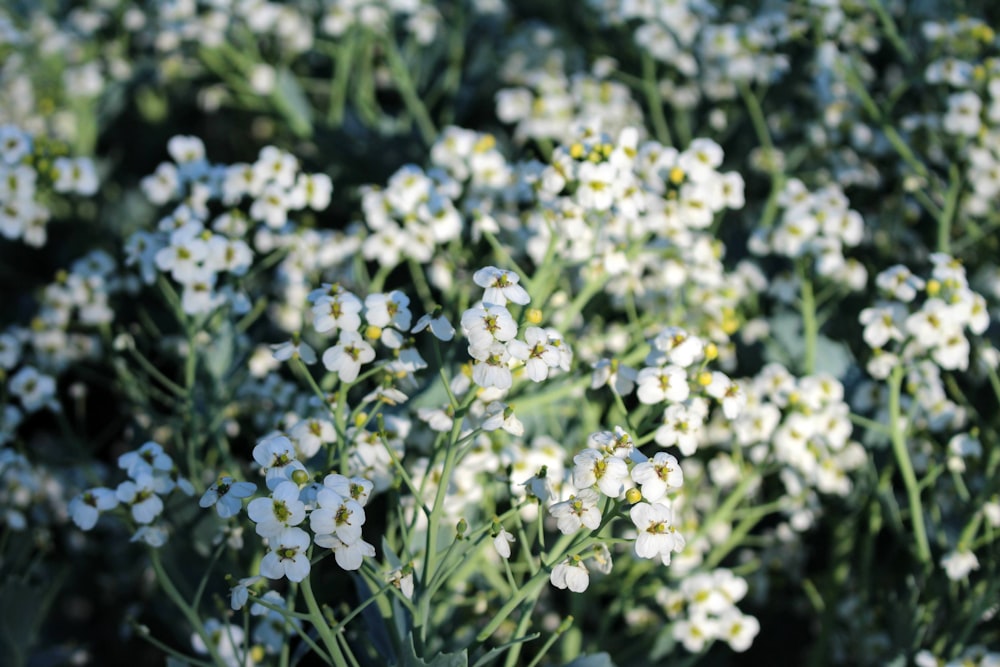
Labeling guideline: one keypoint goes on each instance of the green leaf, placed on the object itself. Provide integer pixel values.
(292, 103)
(219, 355)
(595, 660)
(664, 644)
(832, 357)
(492, 654)
(411, 659)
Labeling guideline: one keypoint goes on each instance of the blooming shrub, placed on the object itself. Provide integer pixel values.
(483, 332)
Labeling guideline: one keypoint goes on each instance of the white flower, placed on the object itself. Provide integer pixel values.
(617, 443)
(618, 376)
(35, 390)
(578, 511)
(280, 511)
(85, 508)
(676, 346)
(357, 488)
(293, 349)
(232, 255)
(695, 631)
(228, 642)
(501, 286)
(162, 185)
(149, 458)
(657, 475)
(609, 473)
(657, 537)
(240, 593)
(140, 495)
(499, 415)
(383, 310)
(336, 516)
(596, 185)
(402, 578)
(346, 357)
(502, 543)
(184, 255)
(339, 311)
(287, 556)
(571, 574)
(484, 326)
(10, 351)
(662, 384)
(348, 556)
(312, 190)
(227, 495)
(274, 451)
(154, 536)
(882, 323)
(537, 353)
(899, 283)
(491, 368)
(727, 392)
(737, 629)
(74, 175)
(958, 564)
(439, 326)
(15, 143)
(186, 149)
(309, 436)
(682, 426)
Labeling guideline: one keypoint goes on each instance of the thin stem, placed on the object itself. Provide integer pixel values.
(902, 455)
(810, 325)
(189, 613)
(322, 627)
(650, 87)
(407, 89)
(948, 212)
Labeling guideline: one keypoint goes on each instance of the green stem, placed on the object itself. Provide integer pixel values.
(407, 89)
(891, 31)
(902, 455)
(948, 213)
(189, 612)
(553, 638)
(530, 587)
(322, 627)
(434, 520)
(810, 325)
(590, 289)
(651, 88)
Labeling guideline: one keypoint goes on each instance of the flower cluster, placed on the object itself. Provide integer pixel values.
(196, 247)
(29, 169)
(335, 510)
(819, 225)
(491, 331)
(704, 610)
(152, 476)
(901, 327)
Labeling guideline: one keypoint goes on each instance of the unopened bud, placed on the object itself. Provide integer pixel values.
(633, 495)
